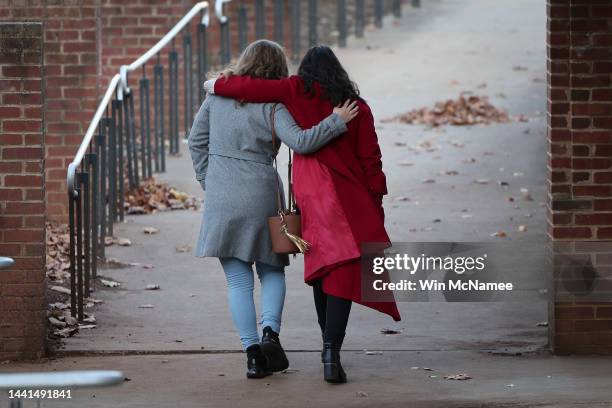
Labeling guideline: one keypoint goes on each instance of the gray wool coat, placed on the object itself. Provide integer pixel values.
(231, 150)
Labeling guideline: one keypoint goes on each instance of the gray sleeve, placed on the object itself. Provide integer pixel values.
(310, 140)
(198, 141)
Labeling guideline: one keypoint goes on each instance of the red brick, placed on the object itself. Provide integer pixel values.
(23, 181)
(21, 125)
(604, 233)
(571, 232)
(593, 219)
(602, 205)
(592, 191)
(10, 153)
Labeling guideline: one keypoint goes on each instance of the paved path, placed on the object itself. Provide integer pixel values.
(495, 48)
(409, 64)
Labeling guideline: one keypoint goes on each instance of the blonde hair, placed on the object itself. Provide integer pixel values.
(260, 59)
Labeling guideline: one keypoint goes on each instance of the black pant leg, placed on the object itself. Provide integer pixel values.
(320, 301)
(337, 315)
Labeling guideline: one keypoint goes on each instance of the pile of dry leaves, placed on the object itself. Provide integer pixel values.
(466, 110)
(58, 253)
(152, 196)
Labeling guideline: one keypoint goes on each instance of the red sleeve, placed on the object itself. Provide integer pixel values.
(368, 152)
(255, 90)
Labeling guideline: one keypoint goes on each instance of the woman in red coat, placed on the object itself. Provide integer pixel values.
(338, 189)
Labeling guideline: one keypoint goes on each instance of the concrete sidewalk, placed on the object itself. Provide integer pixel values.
(493, 48)
(389, 380)
(428, 55)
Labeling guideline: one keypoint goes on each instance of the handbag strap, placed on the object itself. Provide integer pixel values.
(279, 201)
(289, 170)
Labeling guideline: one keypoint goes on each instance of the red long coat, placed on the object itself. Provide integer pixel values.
(338, 189)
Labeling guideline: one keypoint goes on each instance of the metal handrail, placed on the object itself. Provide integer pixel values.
(58, 380)
(219, 10)
(121, 79)
(6, 262)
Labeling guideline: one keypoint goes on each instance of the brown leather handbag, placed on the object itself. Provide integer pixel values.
(286, 227)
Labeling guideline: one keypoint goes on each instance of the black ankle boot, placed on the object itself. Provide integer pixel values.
(332, 369)
(257, 364)
(272, 349)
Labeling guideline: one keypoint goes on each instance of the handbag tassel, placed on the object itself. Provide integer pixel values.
(300, 243)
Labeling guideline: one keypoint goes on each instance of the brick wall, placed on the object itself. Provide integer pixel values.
(580, 172)
(71, 67)
(22, 207)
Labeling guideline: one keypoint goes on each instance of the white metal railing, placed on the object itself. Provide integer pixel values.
(121, 80)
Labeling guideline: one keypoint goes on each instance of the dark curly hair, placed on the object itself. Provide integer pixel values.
(321, 65)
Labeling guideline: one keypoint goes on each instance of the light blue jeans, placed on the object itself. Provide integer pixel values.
(240, 284)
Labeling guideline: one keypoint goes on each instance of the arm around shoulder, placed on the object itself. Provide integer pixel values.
(310, 140)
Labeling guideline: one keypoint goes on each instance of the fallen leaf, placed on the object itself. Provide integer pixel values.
(60, 289)
(458, 377)
(123, 242)
(526, 194)
(391, 331)
(152, 286)
(57, 322)
(482, 181)
(500, 234)
(150, 230)
(109, 283)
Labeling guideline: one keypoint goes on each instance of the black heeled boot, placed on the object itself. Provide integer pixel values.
(272, 349)
(332, 369)
(257, 364)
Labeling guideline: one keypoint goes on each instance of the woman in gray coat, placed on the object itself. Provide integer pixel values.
(231, 149)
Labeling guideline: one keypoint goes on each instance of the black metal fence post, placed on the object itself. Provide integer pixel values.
(188, 81)
(86, 229)
(341, 22)
(242, 27)
(359, 18)
(158, 105)
(101, 149)
(132, 137)
(378, 13)
(279, 18)
(226, 55)
(72, 203)
(397, 8)
(313, 17)
(92, 159)
(173, 100)
(112, 173)
(120, 166)
(260, 19)
(79, 250)
(202, 61)
(295, 29)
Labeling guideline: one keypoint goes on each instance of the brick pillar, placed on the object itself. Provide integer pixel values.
(71, 68)
(22, 206)
(580, 172)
